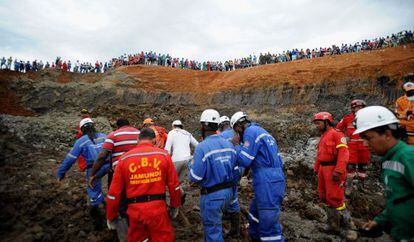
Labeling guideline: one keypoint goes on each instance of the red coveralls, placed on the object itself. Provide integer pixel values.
(359, 153)
(81, 160)
(145, 170)
(332, 156)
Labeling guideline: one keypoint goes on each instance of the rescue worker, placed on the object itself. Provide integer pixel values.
(405, 111)
(330, 165)
(379, 127)
(160, 132)
(143, 173)
(225, 129)
(89, 145)
(81, 161)
(359, 154)
(234, 208)
(215, 171)
(258, 150)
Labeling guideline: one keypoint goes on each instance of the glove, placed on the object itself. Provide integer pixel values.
(336, 176)
(112, 224)
(173, 212)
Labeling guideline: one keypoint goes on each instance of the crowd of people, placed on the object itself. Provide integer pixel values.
(153, 58)
(142, 163)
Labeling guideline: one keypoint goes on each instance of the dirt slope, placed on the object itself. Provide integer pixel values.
(392, 62)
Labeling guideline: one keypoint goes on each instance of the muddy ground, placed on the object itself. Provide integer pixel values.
(36, 207)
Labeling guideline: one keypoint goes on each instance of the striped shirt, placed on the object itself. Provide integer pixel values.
(120, 141)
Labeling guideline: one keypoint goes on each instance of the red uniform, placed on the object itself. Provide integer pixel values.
(143, 171)
(332, 156)
(359, 153)
(81, 161)
(121, 141)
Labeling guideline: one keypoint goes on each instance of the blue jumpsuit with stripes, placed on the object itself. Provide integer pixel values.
(214, 163)
(85, 147)
(234, 205)
(260, 152)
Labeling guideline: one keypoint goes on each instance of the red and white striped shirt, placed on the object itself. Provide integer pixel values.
(120, 141)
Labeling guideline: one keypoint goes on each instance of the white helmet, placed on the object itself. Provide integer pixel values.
(237, 117)
(85, 121)
(372, 117)
(408, 86)
(224, 119)
(210, 116)
(176, 123)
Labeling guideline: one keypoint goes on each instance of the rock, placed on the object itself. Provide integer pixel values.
(351, 235)
(82, 233)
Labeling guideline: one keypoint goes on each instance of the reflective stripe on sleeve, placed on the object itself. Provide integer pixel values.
(72, 156)
(394, 166)
(110, 197)
(247, 155)
(341, 145)
(195, 176)
(253, 218)
(217, 151)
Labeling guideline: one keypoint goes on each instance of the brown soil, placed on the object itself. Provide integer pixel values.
(9, 102)
(392, 62)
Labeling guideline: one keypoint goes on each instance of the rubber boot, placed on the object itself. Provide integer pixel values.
(235, 226)
(97, 218)
(122, 229)
(349, 233)
(333, 221)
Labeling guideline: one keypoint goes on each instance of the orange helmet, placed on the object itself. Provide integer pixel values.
(358, 102)
(323, 116)
(148, 121)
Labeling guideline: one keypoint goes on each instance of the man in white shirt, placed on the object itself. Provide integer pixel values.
(178, 145)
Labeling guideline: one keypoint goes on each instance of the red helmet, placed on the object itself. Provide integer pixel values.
(323, 116)
(358, 102)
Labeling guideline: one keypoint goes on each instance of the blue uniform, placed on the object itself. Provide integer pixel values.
(214, 163)
(234, 204)
(85, 147)
(260, 152)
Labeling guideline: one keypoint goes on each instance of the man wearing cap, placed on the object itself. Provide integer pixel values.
(81, 161)
(89, 146)
(330, 165)
(234, 209)
(405, 110)
(258, 150)
(178, 146)
(359, 154)
(214, 170)
(379, 127)
(160, 132)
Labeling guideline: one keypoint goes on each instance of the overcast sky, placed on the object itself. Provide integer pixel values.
(203, 30)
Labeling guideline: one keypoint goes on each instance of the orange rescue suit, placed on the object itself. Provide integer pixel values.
(358, 151)
(332, 155)
(404, 106)
(141, 172)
